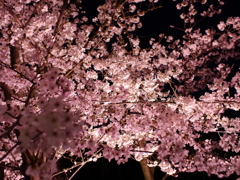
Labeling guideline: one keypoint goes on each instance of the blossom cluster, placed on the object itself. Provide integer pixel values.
(71, 83)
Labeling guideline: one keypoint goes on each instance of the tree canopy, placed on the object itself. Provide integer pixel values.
(79, 82)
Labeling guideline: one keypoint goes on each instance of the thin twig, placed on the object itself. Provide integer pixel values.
(12, 13)
(165, 177)
(204, 16)
(8, 166)
(80, 164)
(33, 14)
(25, 77)
(60, 18)
(169, 82)
(10, 129)
(9, 151)
(138, 102)
(83, 164)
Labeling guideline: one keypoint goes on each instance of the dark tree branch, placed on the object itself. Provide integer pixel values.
(9, 151)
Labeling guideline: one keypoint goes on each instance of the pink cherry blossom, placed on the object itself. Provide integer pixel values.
(73, 83)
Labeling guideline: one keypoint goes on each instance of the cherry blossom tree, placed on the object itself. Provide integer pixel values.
(70, 83)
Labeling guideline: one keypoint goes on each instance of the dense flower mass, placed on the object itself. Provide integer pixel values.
(70, 83)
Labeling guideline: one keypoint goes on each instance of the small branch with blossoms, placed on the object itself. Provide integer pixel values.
(76, 164)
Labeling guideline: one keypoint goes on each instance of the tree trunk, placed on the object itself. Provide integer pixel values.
(148, 172)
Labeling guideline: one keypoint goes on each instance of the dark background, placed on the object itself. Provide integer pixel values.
(103, 170)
